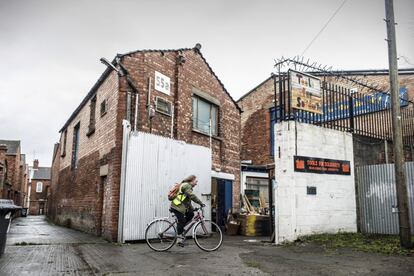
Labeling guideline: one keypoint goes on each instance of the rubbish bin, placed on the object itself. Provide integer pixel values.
(7, 209)
(23, 212)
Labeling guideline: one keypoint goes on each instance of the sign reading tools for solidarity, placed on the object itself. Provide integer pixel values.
(306, 92)
(321, 165)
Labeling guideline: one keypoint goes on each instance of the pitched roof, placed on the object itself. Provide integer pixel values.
(41, 173)
(109, 70)
(12, 146)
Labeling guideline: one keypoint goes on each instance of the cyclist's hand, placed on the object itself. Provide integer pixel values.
(202, 205)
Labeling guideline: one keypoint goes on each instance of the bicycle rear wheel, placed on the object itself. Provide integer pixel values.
(207, 235)
(161, 235)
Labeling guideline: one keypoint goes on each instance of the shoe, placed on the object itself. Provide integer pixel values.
(180, 240)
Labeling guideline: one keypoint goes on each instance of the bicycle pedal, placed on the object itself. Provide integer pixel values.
(180, 244)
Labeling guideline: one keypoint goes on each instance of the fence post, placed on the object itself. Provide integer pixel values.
(351, 114)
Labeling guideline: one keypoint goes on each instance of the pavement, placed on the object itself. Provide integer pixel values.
(37, 247)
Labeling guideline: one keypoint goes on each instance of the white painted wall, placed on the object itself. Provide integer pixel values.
(333, 208)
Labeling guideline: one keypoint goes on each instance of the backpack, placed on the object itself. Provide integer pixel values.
(173, 192)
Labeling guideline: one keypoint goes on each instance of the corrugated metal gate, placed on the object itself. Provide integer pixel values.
(152, 164)
(377, 198)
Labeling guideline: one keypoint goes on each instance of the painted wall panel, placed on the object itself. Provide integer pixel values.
(153, 165)
(333, 208)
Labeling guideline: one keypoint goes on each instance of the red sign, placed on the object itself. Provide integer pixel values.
(320, 165)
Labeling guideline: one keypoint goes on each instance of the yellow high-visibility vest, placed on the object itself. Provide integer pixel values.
(180, 197)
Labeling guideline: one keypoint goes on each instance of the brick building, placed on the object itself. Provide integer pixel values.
(39, 189)
(13, 172)
(258, 117)
(172, 93)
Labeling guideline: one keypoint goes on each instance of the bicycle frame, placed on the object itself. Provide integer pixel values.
(197, 217)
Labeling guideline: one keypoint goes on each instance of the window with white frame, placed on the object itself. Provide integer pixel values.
(39, 187)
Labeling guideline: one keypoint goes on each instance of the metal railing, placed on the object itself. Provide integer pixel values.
(342, 109)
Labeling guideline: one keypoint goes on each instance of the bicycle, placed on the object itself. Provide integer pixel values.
(161, 233)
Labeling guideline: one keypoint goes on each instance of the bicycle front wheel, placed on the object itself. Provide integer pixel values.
(207, 235)
(161, 235)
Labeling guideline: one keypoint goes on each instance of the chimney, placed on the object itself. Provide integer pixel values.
(35, 164)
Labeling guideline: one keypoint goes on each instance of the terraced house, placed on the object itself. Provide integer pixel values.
(13, 172)
(170, 93)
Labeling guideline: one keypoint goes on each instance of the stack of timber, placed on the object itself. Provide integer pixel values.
(253, 197)
(253, 222)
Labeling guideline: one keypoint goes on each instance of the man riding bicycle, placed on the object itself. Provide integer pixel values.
(181, 205)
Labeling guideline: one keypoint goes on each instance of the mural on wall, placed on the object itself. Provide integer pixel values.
(306, 92)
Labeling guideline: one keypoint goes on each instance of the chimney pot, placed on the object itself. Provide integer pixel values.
(35, 164)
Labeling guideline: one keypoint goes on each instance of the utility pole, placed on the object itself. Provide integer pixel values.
(400, 177)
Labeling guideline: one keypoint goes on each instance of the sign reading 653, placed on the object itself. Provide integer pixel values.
(162, 83)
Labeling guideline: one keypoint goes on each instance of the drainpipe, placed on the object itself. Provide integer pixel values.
(180, 60)
(172, 121)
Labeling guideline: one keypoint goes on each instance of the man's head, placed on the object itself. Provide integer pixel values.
(192, 179)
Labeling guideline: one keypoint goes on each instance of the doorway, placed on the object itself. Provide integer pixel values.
(222, 200)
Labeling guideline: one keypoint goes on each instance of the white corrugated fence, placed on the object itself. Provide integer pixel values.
(152, 165)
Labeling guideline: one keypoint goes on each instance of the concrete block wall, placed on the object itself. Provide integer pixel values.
(333, 208)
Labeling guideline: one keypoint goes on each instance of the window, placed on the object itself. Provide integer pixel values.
(92, 120)
(258, 184)
(63, 149)
(39, 187)
(75, 146)
(205, 114)
(163, 106)
(104, 107)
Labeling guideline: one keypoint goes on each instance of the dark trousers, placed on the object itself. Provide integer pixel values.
(183, 219)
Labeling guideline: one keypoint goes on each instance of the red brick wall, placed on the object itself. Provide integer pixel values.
(79, 193)
(14, 188)
(37, 198)
(194, 73)
(84, 200)
(54, 184)
(255, 124)
(3, 165)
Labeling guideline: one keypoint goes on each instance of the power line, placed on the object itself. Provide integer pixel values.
(324, 27)
(406, 60)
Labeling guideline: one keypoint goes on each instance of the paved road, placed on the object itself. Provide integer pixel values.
(55, 250)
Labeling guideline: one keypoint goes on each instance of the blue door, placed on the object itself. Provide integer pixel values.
(224, 200)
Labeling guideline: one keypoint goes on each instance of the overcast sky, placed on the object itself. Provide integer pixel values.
(50, 50)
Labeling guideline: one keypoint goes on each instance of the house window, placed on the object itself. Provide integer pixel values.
(104, 107)
(205, 115)
(39, 187)
(65, 134)
(92, 120)
(75, 146)
(259, 184)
